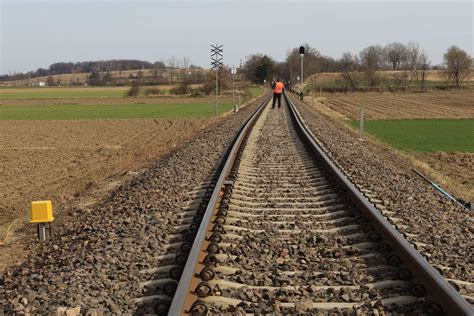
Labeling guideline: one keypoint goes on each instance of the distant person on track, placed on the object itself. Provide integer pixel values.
(278, 89)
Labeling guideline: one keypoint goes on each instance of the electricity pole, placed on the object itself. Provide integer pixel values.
(216, 62)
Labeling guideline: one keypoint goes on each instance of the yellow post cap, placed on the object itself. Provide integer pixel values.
(41, 212)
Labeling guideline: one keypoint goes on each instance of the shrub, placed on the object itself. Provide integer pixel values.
(207, 89)
(196, 93)
(182, 89)
(152, 91)
(134, 90)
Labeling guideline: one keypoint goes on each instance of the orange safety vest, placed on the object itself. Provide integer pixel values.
(278, 87)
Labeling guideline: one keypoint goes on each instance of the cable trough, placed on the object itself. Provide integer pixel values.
(286, 232)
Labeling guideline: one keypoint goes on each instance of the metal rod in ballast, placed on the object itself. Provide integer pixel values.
(437, 187)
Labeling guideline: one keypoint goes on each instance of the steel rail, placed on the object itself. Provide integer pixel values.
(438, 288)
(184, 286)
(441, 291)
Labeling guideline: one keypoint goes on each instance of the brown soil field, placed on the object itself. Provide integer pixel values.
(74, 93)
(451, 170)
(434, 104)
(61, 160)
(138, 100)
(328, 77)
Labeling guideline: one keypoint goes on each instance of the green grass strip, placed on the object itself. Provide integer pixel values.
(109, 111)
(256, 91)
(424, 135)
(25, 94)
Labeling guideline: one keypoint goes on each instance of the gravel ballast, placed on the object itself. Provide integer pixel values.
(441, 230)
(290, 241)
(92, 263)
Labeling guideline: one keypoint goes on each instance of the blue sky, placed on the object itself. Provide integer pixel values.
(37, 33)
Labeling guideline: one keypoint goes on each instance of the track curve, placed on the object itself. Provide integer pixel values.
(284, 235)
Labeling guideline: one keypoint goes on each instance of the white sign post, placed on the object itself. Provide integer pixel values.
(233, 71)
(361, 123)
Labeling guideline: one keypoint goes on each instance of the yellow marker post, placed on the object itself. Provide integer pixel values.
(42, 214)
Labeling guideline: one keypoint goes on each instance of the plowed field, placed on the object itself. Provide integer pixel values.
(61, 159)
(453, 104)
(434, 128)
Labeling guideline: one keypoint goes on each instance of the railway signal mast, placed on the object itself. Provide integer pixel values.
(216, 62)
(301, 77)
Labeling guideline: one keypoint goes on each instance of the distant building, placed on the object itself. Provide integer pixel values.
(42, 84)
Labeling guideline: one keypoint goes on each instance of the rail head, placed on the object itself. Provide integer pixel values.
(440, 289)
(184, 285)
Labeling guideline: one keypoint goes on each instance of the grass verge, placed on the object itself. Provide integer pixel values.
(424, 135)
(256, 91)
(110, 111)
(59, 93)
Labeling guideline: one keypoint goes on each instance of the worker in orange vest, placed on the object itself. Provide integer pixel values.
(278, 89)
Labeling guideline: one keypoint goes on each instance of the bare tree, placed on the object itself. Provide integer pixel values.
(171, 65)
(457, 65)
(395, 55)
(197, 74)
(184, 65)
(312, 63)
(413, 61)
(424, 62)
(289, 68)
(158, 71)
(95, 77)
(155, 74)
(371, 59)
(349, 65)
(223, 81)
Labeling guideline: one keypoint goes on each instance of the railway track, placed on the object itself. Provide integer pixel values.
(285, 231)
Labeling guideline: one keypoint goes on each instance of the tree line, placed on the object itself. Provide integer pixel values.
(84, 67)
(100, 70)
(409, 63)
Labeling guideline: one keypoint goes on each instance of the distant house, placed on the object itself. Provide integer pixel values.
(42, 84)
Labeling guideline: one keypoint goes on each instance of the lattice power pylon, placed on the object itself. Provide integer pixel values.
(216, 62)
